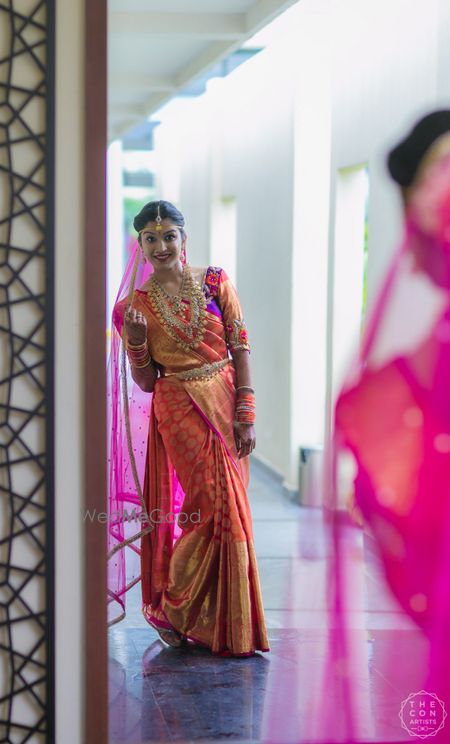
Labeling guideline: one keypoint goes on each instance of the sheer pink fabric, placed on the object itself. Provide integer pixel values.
(381, 634)
(393, 415)
(126, 512)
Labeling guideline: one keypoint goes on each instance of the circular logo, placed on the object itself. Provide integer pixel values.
(422, 714)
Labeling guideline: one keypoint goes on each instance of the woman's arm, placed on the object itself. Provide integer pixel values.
(239, 347)
(241, 359)
(136, 334)
(245, 434)
(145, 377)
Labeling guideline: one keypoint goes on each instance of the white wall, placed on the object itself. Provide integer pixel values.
(384, 77)
(311, 67)
(258, 170)
(254, 166)
(443, 54)
(346, 79)
(68, 372)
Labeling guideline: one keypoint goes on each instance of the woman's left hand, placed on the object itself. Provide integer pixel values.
(244, 435)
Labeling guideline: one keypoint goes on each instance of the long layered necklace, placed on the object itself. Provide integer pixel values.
(170, 309)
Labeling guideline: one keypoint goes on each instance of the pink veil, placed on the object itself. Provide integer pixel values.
(393, 416)
(129, 410)
(377, 668)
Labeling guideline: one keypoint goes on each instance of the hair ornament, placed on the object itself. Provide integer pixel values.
(158, 218)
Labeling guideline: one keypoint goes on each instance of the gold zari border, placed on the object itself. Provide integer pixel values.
(205, 372)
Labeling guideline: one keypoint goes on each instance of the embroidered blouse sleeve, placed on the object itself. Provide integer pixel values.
(221, 286)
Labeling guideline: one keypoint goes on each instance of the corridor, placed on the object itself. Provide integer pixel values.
(160, 694)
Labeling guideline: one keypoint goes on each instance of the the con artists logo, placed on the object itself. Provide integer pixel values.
(422, 714)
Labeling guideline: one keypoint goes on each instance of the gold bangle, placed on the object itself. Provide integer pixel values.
(141, 366)
(136, 347)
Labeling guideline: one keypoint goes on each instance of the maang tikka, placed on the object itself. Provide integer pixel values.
(158, 219)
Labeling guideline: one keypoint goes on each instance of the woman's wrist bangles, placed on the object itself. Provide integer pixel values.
(245, 412)
(139, 355)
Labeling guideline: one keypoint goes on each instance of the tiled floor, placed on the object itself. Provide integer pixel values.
(160, 694)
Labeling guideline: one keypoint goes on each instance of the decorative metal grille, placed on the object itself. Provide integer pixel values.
(26, 363)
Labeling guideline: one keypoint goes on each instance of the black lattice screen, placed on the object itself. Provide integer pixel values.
(26, 364)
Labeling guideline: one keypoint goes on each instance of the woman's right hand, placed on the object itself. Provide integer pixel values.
(136, 326)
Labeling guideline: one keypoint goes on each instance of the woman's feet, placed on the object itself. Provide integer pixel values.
(171, 637)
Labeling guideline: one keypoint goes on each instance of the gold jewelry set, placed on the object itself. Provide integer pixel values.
(158, 221)
(168, 310)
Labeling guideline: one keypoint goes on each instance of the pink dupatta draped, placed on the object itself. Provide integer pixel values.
(354, 681)
(127, 448)
(393, 415)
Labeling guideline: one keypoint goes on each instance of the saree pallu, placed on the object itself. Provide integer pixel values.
(199, 571)
(393, 415)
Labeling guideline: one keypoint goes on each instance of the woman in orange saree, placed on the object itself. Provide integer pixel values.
(187, 345)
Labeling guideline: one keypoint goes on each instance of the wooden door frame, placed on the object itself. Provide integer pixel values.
(95, 451)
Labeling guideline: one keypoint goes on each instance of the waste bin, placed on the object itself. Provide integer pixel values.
(310, 482)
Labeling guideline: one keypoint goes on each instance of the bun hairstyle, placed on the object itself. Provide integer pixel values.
(149, 213)
(404, 159)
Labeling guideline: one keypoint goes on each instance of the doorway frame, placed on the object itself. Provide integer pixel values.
(95, 449)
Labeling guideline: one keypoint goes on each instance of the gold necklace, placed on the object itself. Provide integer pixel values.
(176, 300)
(166, 311)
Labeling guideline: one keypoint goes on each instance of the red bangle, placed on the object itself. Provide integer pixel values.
(245, 412)
(139, 355)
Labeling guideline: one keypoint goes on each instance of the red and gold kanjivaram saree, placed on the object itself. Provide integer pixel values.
(198, 570)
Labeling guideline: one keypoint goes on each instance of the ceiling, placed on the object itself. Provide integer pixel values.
(158, 47)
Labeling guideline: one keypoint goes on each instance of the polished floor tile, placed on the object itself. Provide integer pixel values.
(161, 694)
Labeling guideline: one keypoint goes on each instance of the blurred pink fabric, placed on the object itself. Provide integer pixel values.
(392, 423)
(393, 414)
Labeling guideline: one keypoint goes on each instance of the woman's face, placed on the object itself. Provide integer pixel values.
(162, 247)
(428, 255)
